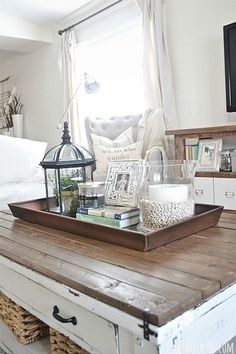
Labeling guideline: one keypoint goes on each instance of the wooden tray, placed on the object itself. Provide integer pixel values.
(34, 211)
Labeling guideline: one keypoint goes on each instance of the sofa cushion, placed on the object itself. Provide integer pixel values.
(122, 140)
(101, 145)
(19, 160)
(104, 155)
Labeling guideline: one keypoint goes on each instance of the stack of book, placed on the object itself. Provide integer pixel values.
(109, 215)
(191, 146)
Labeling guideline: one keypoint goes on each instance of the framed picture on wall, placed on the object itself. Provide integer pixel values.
(123, 182)
(209, 154)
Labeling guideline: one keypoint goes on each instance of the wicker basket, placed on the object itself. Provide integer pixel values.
(26, 327)
(61, 344)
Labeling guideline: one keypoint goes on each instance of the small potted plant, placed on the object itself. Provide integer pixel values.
(69, 192)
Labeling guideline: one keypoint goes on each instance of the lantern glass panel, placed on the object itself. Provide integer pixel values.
(52, 189)
(64, 184)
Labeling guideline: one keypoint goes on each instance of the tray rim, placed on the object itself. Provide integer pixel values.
(22, 211)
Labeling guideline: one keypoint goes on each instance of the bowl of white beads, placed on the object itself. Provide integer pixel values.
(167, 194)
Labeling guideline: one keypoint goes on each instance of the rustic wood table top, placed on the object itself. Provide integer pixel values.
(168, 280)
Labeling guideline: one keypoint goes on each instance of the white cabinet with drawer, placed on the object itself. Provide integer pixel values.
(65, 316)
(95, 326)
(203, 190)
(216, 191)
(225, 192)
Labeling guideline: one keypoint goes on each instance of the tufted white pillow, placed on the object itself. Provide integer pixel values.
(19, 160)
(122, 140)
(104, 155)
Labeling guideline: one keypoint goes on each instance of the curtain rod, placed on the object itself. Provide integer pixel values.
(60, 32)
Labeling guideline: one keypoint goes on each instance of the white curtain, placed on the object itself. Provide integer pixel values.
(70, 81)
(158, 91)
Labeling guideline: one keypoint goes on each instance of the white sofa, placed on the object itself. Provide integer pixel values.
(21, 177)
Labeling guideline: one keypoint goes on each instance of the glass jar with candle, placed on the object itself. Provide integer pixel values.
(167, 194)
(91, 195)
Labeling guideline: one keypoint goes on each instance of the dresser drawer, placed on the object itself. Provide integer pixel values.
(91, 329)
(203, 190)
(225, 192)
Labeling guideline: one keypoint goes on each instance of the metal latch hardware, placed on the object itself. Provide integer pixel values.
(147, 332)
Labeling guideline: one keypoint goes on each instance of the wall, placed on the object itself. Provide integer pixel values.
(37, 79)
(195, 35)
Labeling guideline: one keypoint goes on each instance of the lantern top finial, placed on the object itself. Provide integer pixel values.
(66, 136)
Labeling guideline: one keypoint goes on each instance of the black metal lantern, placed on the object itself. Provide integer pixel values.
(66, 165)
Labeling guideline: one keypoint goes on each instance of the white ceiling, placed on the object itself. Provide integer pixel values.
(45, 13)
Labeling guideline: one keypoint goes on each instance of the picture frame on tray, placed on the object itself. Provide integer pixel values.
(209, 154)
(123, 182)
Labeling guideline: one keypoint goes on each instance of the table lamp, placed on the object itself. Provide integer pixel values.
(91, 86)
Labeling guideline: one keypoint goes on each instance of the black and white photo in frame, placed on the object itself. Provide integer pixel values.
(123, 182)
(209, 154)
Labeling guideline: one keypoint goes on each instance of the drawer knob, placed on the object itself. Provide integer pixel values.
(56, 315)
(229, 194)
(198, 192)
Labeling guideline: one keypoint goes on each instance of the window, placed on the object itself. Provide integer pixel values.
(114, 59)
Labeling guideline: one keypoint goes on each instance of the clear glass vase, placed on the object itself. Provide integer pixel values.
(167, 194)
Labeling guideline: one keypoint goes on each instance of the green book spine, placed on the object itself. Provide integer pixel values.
(108, 221)
(195, 152)
(119, 213)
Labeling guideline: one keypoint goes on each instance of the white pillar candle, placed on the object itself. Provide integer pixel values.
(175, 193)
